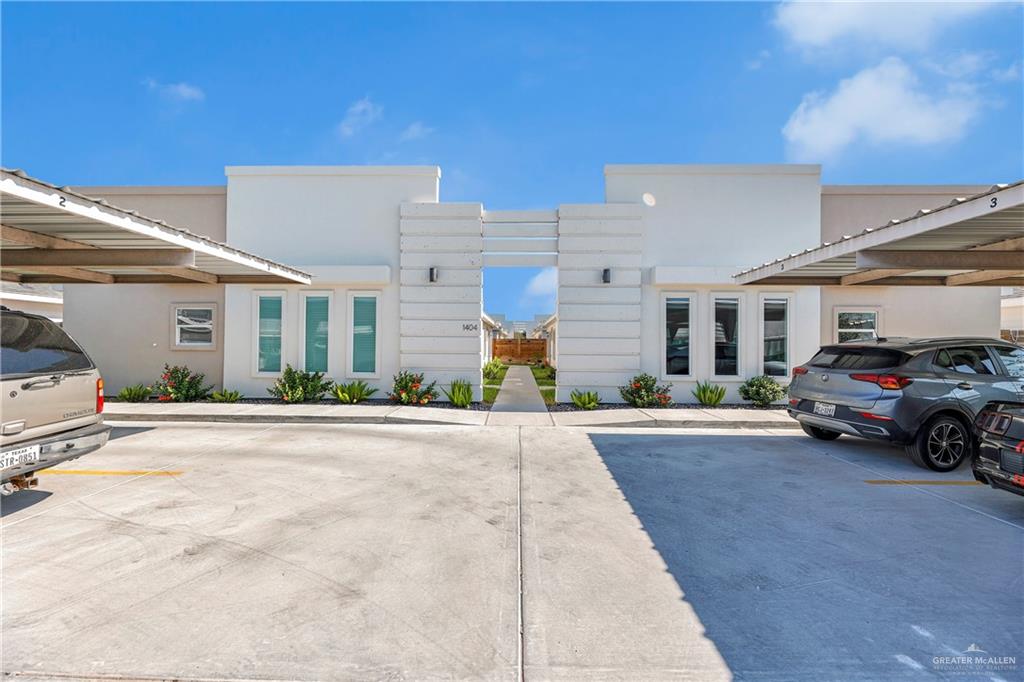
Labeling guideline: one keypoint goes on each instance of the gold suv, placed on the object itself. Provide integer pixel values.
(52, 401)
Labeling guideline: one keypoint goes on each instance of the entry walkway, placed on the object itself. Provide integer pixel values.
(519, 402)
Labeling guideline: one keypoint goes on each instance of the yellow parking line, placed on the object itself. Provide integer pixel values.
(111, 472)
(888, 481)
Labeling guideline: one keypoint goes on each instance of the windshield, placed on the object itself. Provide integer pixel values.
(35, 345)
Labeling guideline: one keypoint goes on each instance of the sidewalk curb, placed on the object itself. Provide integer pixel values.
(317, 419)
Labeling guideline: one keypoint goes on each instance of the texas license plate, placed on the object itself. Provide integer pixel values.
(825, 409)
(19, 457)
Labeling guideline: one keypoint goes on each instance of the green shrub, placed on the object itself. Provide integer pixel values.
(494, 369)
(181, 385)
(134, 394)
(708, 393)
(460, 394)
(408, 389)
(297, 386)
(352, 393)
(225, 396)
(643, 391)
(762, 391)
(588, 400)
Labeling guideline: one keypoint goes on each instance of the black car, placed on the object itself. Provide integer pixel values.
(921, 393)
(999, 458)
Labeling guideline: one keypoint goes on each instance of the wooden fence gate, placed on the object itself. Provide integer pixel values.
(520, 350)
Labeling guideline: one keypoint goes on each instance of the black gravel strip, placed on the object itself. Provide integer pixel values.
(569, 407)
(372, 401)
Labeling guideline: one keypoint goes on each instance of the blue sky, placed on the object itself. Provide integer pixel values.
(520, 104)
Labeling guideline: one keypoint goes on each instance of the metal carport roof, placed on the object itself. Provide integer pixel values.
(972, 241)
(56, 235)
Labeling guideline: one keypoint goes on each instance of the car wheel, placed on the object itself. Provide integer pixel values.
(941, 445)
(819, 433)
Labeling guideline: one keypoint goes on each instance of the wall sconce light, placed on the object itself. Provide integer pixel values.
(606, 275)
(432, 274)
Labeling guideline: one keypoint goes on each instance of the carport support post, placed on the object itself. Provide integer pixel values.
(441, 331)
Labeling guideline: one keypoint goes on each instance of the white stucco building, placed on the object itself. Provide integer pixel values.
(646, 279)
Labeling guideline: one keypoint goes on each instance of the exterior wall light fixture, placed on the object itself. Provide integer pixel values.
(606, 275)
(432, 274)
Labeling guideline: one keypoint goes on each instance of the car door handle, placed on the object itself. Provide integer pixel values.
(964, 386)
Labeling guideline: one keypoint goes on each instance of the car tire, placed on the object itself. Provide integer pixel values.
(819, 433)
(940, 445)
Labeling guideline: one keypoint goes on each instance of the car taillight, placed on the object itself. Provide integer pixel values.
(879, 417)
(797, 371)
(889, 381)
(996, 423)
(99, 396)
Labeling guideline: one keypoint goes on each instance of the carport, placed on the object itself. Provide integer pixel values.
(972, 241)
(51, 234)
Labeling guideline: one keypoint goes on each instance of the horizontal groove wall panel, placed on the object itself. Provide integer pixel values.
(606, 294)
(569, 363)
(469, 313)
(598, 312)
(599, 260)
(591, 277)
(568, 329)
(600, 227)
(520, 245)
(602, 346)
(449, 361)
(445, 277)
(443, 243)
(439, 210)
(527, 216)
(520, 229)
(440, 226)
(627, 211)
(440, 344)
(440, 294)
(448, 260)
(592, 244)
(450, 328)
(526, 260)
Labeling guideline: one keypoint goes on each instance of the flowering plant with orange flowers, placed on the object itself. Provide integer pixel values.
(643, 391)
(181, 385)
(408, 389)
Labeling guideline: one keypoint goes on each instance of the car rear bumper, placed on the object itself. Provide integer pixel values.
(861, 427)
(57, 448)
(988, 471)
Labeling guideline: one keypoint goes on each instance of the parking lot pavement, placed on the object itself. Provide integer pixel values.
(309, 552)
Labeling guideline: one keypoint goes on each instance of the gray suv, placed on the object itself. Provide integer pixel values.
(922, 393)
(52, 401)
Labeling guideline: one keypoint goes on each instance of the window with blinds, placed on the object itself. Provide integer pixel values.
(269, 334)
(316, 332)
(364, 334)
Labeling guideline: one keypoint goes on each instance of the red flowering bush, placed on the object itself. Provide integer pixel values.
(181, 385)
(643, 391)
(408, 389)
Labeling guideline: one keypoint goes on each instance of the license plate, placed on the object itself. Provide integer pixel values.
(825, 409)
(19, 457)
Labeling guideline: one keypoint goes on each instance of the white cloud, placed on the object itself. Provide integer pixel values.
(360, 114)
(961, 65)
(758, 61)
(1008, 75)
(181, 92)
(544, 284)
(415, 131)
(884, 104)
(902, 25)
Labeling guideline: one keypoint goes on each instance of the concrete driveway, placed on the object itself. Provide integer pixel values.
(306, 552)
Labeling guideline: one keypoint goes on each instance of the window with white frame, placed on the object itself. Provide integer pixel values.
(677, 311)
(855, 324)
(316, 326)
(363, 323)
(775, 336)
(269, 318)
(193, 326)
(727, 336)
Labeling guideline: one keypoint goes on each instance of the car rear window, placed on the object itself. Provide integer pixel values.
(34, 345)
(840, 357)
